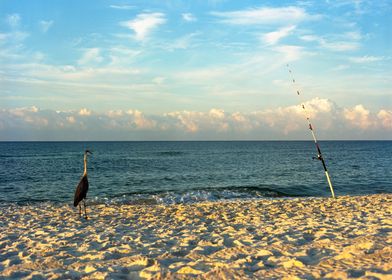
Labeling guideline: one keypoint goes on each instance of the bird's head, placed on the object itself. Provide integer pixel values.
(87, 152)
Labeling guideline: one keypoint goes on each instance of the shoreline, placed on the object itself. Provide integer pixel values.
(237, 239)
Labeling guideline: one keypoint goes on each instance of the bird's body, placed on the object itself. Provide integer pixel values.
(82, 188)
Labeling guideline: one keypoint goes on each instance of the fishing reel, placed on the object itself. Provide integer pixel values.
(319, 157)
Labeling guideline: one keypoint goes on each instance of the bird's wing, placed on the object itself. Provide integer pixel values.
(81, 190)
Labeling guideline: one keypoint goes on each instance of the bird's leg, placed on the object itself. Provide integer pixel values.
(85, 211)
(80, 210)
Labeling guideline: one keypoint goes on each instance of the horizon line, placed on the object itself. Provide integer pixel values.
(272, 140)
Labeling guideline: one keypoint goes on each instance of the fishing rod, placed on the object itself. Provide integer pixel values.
(319, 154)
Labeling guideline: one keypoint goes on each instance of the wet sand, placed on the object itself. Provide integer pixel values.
(311, 238)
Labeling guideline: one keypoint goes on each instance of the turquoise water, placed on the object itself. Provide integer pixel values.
(176, 172)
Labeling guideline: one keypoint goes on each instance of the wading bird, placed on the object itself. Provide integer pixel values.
(82, 188)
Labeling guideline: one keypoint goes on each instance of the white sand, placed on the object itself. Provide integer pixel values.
(298, 238)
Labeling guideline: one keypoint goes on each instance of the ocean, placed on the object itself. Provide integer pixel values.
(187, 172)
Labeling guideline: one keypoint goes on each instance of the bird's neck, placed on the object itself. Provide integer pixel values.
(85, 165)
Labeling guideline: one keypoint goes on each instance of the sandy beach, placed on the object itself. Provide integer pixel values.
(301, 238)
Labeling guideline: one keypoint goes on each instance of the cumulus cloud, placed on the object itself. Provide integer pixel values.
(22, 117)
(190, 121)
(144, 24)
(84, 112)
(140, 120)
(358, 116)
(194, 122)
(276, 123)
(385, 117)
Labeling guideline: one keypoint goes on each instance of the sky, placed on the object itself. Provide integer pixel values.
(195, 70)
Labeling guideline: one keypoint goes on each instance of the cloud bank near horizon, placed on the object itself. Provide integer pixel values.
(281, 123)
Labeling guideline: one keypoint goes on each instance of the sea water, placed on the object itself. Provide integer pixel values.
(186, 172)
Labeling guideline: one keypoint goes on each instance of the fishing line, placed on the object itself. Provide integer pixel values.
(311, 128)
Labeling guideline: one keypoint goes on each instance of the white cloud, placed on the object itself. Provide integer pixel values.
(353, 35)
(217, 113)
(187, 120)
(21, 112)
(340, 46)
(335, 43)
(341, 67)
(3, 36)
(71, 119)
(290, 53)
(202, 75)
(13, 20)
(231, 77)
(385, 116)
(183, 42)
(124, 51)
(358, 116)
(144, 24)
(158, 80)
(15, 36)
(358, 7)
(282, 122)
(84, 112)
(140, 121)
(365, 59)
(272, 38)
(115, 113)
(265, 15)
(241, 122)
(27, 116)
(45, 25)
(322, 112)
(122, 7)
(91, 56)
(90, 79)
(122, 56)
(199, 122)
(310, 38)
(188, 17)
(38, 56)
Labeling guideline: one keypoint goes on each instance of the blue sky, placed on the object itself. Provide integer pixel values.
(190, 70)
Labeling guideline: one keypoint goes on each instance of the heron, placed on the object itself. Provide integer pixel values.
(82, 188)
